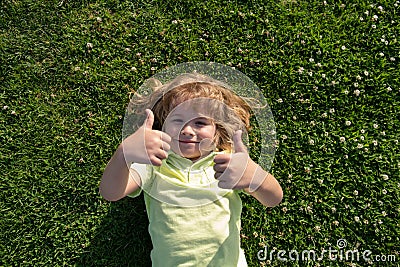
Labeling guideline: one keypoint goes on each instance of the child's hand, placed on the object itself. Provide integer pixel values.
(147, 146)
(237, 170)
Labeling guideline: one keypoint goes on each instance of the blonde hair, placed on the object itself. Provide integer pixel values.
(228, 111)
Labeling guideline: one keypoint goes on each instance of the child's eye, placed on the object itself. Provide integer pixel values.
(177, 121)
(202, 123)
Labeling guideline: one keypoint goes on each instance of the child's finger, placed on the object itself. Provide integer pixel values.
(148, 123)
(166, 138)
(220, 167)
(165, 146)
(222, 158)
(238, 145)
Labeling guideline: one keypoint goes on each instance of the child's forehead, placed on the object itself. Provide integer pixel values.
(190, 107)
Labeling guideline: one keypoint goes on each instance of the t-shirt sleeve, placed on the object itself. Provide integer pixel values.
(143, 171)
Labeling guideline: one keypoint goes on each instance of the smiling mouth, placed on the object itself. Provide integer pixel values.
(188, 142)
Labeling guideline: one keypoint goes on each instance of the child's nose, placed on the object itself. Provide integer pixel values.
(187, 129)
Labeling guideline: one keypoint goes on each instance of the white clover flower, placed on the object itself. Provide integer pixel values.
(284, 137)
(360, 146)
(385, 177)
(366, 149)
(374, 17)
(284, 209)
(13, 112)
(384, 213)
(361, 18)
(366, 73)
(311, 59)
(375, 142)
(343, 47)
(362, 137)
(380, 8)
(319, 65)
(133, 69)
(280, 100)
(336, 223)
(317, 228)
(311, 142)
(362, 131)
(381, 54)
(358, 77)
(389, 89)
(310, 73)
(346, 92)
(357, 92)
(392, 59)
(366, 12)
(383, 133)
(300, 70)
(355, 192)
(324, 115)
(356, 218)
(348, 123)
(5, 107)
(312, 123)
(375, 126)
(309, 209)
(373, 26)
(99, 19)
(325, 3)
(355, 84)
(89, 45)
(331, 110)
(320, 181)
(342, 139)
(174, 21)
(323, 75)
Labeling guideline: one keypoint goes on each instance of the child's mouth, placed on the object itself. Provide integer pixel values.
(188, 142)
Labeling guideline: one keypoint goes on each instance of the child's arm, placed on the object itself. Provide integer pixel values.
(239, 171)
(116, 182)
(145, 146)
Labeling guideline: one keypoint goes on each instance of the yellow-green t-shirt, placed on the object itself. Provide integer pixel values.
(193, 222)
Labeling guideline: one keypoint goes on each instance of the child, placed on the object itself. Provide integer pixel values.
(189, 159)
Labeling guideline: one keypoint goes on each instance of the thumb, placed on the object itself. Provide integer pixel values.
(148, 123)
(238, 145)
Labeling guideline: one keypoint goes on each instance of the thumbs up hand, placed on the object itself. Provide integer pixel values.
(147, 146)
(237, 170)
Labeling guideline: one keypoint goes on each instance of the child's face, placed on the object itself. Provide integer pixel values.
(192, 133)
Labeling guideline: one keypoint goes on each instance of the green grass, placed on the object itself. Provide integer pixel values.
(62, 107)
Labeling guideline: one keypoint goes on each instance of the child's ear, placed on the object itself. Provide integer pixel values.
(153, 83)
